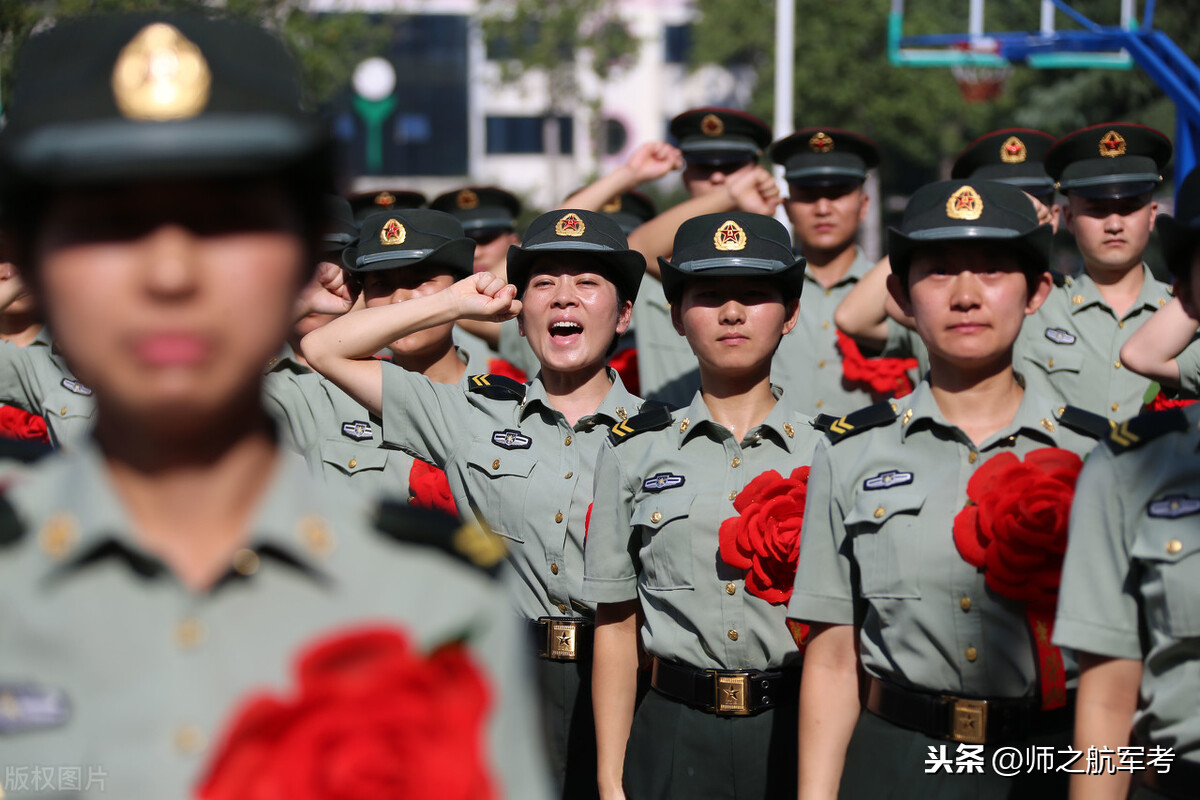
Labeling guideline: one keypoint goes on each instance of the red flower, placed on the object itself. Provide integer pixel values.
(18, 424)
(1015, 526)
(428, 488)
(371, 719)
(1161, 402)
(764, 539)
(884, 377)
(498, 366)
(626, 365)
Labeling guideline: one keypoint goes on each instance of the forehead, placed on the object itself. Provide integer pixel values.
(965, 253)
(572, 264)
(730, 285)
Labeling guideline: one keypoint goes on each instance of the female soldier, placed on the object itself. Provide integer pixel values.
(168, 216)
(520, 455)
(883, 575)
(722, 719)
(1129, 593)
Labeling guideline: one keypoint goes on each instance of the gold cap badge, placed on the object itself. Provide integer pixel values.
(729, 236)
(820, 142)
(964, 204)
(467, 200)
(392, 233)
(570, 225)
(612, 206)
(1112, 144)
(385, 199)
(1013, 151)
(712, 125)
(161, 75)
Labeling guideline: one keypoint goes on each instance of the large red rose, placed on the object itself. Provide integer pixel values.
(884, 377)
(429, 488)
(371, 719)
(764, 539)
(16, 423)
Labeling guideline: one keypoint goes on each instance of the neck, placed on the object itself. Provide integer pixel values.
(293, 341)
(1119, 288)
(980, 402)
(576, 394)
(740, 403)
(20, 329)
(190, 494)
(440, 366)
(830, 266)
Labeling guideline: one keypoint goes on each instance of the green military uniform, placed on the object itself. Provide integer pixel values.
(37, 379)
(112, 665)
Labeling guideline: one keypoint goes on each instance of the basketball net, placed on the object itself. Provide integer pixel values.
(978, 83)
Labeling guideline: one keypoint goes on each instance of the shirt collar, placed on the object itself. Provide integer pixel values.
(285, 361)
(858, 268)
(618, 403)
(1153, 295)
(919, 411)
(696, 419)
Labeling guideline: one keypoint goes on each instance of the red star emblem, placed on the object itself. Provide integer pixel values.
(964, 202)
(729, 234)
(392, 229)
(570, 223)
(1013, 147)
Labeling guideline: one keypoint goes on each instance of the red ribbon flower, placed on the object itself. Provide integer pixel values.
(764, 539)
(884, 377)
(371, 719)
(1160, 402)
(1015, 528)
(16, 423)
(428, 488)
(626, 365)
(498, 366)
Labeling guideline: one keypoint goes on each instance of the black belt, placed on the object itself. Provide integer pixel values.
(562, 638)
(964, 719)
(1181, 782)
(734, 693)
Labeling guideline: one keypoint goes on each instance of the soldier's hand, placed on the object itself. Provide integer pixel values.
(326, 293)
(486, 298)
(753, 189)
(12, 285)
(652, 160)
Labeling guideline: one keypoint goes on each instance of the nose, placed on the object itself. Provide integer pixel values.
(822, 206)
(1114, 223)
(965, 291)
(733, 312)
(716, 177)
(170, 261)
(564, 294)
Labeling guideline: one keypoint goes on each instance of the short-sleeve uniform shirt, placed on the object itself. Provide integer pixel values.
(36, 378)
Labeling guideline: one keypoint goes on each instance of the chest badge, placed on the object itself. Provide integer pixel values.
(28, 707)
(76, 387)
(511, 440)
(886, 480)
(663, 480)
(1174, 507)
(1059, 336)
(358, 431)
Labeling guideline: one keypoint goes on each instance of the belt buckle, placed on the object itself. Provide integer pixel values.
(562, 639)
(968, 720)
(731, 697)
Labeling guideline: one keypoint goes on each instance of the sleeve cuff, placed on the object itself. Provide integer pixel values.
(808, 607)
(609, 590)
(1089, 637)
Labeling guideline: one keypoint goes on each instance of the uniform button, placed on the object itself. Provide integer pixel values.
(821, 364)
(965, 603)
(1077, 299)
(562, 608)
(245, 561)
(496, 464)
(825, 325)
(568, 475)
(971, 654)
(656, 517)
(1115, 406)
(879, 512)
(730, 588)
(732, 496)
(189, 739)
(973, 457)
(554, 569)
(737, 462)
(352, 463)
(1050, 363)
(828, 292)
(567, 441)
(1121, 324)
(558, 517)
(315, 534)
(1174, 546)
(63, 411)
(820, 403)
(189, 633)
(58, 536)
(732, 636)
(1117, 364)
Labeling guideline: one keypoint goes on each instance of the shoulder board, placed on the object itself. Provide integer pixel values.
(650, 405)
(869, 417)
(11, 529)
(1077, 419)
(822, 422)
(1058, 278)
(497, 387)
(652, 420)
(1133, 433)
(469, 543)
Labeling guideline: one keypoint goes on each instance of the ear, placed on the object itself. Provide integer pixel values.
(863, 206)
(624, 316)
(791, 310)
(677, 318)
(1153, 213)
(1055, 216)
(1040, 292)
(899, 293)
(1069, 215)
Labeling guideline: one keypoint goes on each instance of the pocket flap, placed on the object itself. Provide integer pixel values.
(878, 507)
(1166, 541)
(352, 458)
(497, 462)
(657, 510)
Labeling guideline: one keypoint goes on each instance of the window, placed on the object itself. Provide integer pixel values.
(524, 135)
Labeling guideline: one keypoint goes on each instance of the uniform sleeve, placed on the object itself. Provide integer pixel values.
(1189, 367)
(285, 403)
(19, 382)
(609, 568)
(823, 591)
(899, 342)
(421, 417)
(1097, 612)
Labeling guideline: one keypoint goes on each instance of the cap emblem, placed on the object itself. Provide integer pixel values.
(729, 236)
(385, 199)
(161, 75)
(1112, 144)
(467, 200)
(392, 233)
(712, 125)
(570, 225)
(1013, 151)
(820, 142)
(612, 206)
(964, 204)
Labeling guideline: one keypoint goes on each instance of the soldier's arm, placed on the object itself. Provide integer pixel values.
(829, 709)
(614, 691)
(863, 314)
(1153, 350)
(650, 161)
(1104, 708)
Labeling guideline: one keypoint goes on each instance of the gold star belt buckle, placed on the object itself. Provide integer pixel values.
(562, 640)
(732, 693)
(968, 720)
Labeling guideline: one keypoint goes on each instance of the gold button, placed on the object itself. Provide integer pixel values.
(732, 496)
(825, 324)
(972, 654)
(737, 462)
(820, 403)
(1117, 364)
(879, 512)
(973, 457)
(965, 603)
(554, 569)
(730, 588)
(558, 517)
(189, 633)
(1161, 302)
(656, 517)
(562, 608)
(496, 464)
(189, 739)
(245, 561)
(1121, 323)
(821, 364)
(315, 534)
(828, 292)
(1050, 363)
(1174, 546)
(58, 536)
(567, 441)
(352, 463)
(732, 636)
(63, 411)
(1077, 299)
(1115, 406)
(568, 476)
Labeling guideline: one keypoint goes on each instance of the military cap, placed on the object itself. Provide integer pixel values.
(714, 136)
(825, 157)
(630, 210)
(1111, 160)
(480, 209)
(735, 243)
(575, 232)
(1179, 234)
(983, 211)
(366, 203)
(389, 240)
(131, 97)
(341, 229)
(1010, 155)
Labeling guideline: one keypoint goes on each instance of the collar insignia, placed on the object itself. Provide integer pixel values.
(570, 225)
(663, 480)
(820, 142)
(511, 440)
(392, 233)
(964, 204)
(729, 236)
(1059, 336)
(886, 480)
(712, 125)
(161, 75)
(1173, 507)
(358, 431)
(1112, 144)
(1013, 151)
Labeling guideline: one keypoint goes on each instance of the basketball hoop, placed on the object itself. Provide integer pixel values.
(983, 82)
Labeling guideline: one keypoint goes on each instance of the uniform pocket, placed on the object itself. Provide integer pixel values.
(499, 481)
(349, 458)
(1167, 552)
(666, 552)
(887, 542)
(1053, 361)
